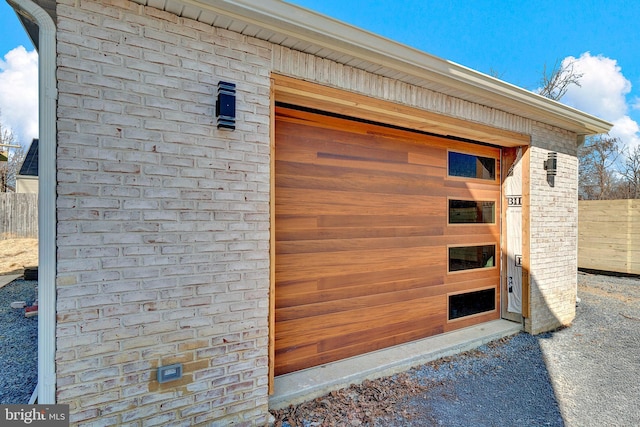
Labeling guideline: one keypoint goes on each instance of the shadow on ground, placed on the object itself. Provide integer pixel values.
(504, 383)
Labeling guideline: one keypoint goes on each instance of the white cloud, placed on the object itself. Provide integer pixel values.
(19, 94)
(627, 130)
(602, 92)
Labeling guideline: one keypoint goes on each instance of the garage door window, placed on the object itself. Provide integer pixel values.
(470, 166)
(472, 212)
(471, 257)
(468, 304)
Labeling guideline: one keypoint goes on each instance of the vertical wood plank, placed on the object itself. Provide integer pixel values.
(526, 231)
(18, 215)
(272, 238)
(609, 235)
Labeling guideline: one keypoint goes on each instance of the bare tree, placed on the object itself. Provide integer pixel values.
(554, 84)
(597, 175)
(598, 156)
(495, 73)
(10, 169)
(11, 157)
(631, 173)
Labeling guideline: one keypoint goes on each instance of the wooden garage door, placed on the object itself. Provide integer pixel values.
(378, 240)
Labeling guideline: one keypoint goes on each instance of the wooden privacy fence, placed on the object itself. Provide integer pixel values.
(18, 215)
(609, 235)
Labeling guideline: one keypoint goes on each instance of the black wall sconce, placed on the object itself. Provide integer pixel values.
(226, 105)
(551, 166)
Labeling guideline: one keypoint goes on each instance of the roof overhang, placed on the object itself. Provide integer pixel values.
(301, 29)
(307, 31)
(28, 22)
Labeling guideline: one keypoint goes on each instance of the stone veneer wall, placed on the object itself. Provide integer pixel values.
(163, 221)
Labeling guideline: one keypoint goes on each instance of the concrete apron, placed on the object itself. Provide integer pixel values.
(5, 280)
(301, 386)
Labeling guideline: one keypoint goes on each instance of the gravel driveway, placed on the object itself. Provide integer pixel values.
(595, 364)
(585, 375)
(18, 344)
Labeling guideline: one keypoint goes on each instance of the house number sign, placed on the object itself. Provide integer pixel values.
(514, 200)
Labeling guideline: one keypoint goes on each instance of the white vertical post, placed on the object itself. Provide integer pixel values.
(47, 100)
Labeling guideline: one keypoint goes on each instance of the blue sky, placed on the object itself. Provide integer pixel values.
(514, 39)
(11, 32)
(18, 78)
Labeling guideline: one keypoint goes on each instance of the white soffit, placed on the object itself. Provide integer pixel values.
(304, 30)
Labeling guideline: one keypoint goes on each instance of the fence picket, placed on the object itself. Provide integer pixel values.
(18, 215)
(609, 235)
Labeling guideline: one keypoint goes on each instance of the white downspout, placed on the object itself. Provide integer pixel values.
(47, 99)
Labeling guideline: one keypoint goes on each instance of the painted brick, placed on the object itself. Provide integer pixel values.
(78, 416)
(77, 390)
(553, 231)
(140, 342)
(119, 309)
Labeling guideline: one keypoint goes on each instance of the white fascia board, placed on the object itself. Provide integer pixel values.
(297, 22)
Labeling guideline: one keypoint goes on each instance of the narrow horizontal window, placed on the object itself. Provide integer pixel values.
(471, 212)
(471, 257)
(470, 166)
(468, 304)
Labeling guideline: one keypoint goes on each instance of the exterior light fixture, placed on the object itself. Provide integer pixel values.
(169, 373)
(551, 166)
(226, 105)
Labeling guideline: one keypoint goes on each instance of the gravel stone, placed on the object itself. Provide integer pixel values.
(582, 375)
(18, 344)
(595, 364)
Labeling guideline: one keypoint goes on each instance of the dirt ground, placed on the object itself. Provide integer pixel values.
(15, 254)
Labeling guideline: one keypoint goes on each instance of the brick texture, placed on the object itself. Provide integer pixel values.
(554, 231)
(162, 219)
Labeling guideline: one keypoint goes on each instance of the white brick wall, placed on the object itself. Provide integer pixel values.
(162, 219)
(554, 231)
(326, 72)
